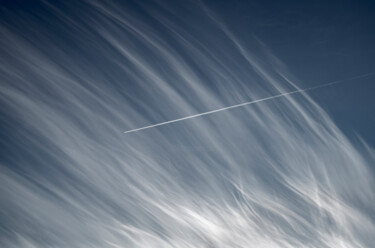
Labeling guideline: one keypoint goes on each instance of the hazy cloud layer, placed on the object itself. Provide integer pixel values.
(74, 77)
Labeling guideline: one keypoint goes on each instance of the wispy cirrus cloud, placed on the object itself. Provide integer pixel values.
(275, 174)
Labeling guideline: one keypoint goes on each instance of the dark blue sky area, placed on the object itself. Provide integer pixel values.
(319, 41)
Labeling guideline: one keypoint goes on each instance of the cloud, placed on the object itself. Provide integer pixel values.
(276, 174)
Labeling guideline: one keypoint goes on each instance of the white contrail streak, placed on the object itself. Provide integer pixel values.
(248, 103)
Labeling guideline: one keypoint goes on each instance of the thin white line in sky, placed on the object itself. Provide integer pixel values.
(248, 103)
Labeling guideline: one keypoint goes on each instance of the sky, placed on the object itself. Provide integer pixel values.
(320, 41)
(291, 171)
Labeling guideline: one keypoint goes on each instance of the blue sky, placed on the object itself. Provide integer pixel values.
(296, 171)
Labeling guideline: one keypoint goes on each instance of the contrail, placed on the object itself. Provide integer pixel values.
(249, 103)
